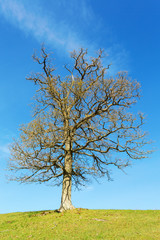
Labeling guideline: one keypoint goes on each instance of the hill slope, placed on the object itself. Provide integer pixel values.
(81, 224)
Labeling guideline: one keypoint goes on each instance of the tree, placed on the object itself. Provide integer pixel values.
(79, 120)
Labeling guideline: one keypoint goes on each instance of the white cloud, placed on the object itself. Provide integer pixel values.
(31, 18)
(28, 21)
(4, 150)
(88, 189)
(41, 26)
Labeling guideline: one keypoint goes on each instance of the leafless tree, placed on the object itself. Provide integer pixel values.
(81, 126)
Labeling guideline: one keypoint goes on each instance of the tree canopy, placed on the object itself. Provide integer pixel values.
(82, 125)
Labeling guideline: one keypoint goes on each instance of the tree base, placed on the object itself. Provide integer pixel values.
(66, 207)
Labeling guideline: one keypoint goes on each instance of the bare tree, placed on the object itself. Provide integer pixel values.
(79, 120)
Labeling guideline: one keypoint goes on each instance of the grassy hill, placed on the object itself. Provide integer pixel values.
(81, 224)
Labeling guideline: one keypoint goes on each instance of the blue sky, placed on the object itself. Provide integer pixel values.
(129, 32)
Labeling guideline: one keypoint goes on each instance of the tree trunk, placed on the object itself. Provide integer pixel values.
(66, 203)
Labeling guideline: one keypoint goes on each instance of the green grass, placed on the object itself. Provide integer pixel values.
(81, 224)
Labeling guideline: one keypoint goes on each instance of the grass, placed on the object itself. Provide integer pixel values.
(81, 224)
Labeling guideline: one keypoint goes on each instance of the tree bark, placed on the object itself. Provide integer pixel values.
(66, 203)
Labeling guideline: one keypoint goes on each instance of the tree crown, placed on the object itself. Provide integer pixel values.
(86, 113)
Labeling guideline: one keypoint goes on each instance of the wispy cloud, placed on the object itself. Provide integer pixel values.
(118, 57)
(46, 26)
(4, 149)
(88, 189)
(41, 26)
(5, 141)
